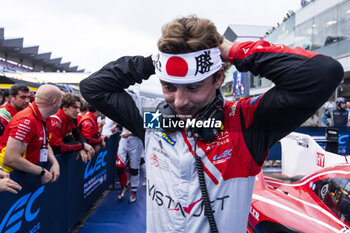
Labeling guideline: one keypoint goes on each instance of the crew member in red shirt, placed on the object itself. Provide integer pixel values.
(89, 128)
(19, 96)
(83, 110)
(64, 135)
(26, 137)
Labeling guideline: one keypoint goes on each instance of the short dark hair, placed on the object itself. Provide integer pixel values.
(91, 108)
(15, 88)
(84, 105)
(69, 100)
(6, 93)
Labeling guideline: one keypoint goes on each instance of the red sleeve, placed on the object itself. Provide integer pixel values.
(87, 130)
(21, 129)
(243, 50)
(53, 126)
(303, 80)
(54, 129)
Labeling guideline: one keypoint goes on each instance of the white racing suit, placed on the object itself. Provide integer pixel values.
(304, 81)
(132, 147)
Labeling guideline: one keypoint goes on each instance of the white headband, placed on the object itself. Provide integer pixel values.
(188, 67)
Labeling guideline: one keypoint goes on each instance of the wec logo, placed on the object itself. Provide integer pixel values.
(100, 162)
(226, 154)
(13, 219)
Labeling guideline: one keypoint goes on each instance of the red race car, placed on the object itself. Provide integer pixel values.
(318, 202)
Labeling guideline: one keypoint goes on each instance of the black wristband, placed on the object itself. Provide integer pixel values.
(42, 173)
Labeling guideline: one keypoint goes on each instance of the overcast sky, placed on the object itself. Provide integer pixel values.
(91, 33)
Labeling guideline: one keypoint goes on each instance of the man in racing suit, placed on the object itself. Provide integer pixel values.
(132, 146)
(19, 96)
(304, 81)
(64, 135)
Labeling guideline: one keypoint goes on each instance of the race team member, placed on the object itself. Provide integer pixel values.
(64, 135)
(190, 71)
(132, 146)
(19, 96)
(340, 116)
(83, 110)
(5, 96)
(26, 137)
(90, 130)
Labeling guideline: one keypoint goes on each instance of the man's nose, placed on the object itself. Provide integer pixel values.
(181, 98)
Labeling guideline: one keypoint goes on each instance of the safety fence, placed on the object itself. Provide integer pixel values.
(56, 207)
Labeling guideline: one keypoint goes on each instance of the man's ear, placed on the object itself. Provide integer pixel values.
(54, 101)
(220, 79)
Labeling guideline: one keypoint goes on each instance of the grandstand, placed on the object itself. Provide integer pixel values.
(16, 61)
(20, 64)
(16, 58)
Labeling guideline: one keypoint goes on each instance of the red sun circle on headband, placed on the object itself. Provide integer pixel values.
(176, 66)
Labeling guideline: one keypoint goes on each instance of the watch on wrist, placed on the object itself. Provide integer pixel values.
(42, 173)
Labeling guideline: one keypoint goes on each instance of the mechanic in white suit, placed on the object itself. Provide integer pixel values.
(132, 146)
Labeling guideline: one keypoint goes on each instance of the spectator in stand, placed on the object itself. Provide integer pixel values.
(18, 100)
(83, 110)
(5, 96)
(89, 128)
(340, 116)
(64, 135)
(26, 137)
(6, 184)
(128, 145)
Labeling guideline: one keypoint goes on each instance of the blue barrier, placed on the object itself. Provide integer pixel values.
(344, 140)
(56, 207)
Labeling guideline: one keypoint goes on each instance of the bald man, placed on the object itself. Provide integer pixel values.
(26, 137)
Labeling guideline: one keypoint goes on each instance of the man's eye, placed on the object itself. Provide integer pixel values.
(192, 88)
(170, 88)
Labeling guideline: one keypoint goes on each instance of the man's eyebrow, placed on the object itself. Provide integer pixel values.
(164, 83)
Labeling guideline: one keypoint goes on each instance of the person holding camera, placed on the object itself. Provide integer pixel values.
(202, 152)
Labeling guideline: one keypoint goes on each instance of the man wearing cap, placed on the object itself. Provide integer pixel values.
(195, 132)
